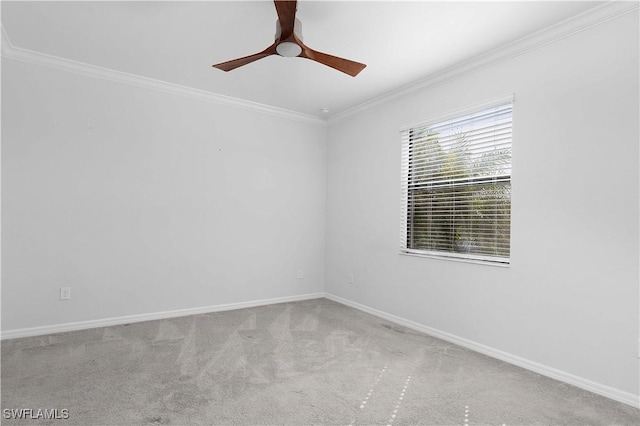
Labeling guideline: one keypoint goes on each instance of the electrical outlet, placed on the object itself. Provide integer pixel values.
(300, 274)
(65, 293)
(351, 279)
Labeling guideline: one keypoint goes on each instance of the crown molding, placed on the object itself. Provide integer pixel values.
(581, 22)
(588, 19)
(9, 51)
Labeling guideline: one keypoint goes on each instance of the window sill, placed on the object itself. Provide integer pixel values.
(456, 259)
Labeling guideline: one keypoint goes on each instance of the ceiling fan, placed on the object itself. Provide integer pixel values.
(289, 44)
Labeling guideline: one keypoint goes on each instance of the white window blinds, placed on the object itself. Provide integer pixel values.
(456, 186)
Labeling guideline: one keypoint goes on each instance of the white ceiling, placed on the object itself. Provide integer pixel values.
(177, 42)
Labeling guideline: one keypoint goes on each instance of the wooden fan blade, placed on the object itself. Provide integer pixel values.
(287, 16)
(344, 65)
(236, 63)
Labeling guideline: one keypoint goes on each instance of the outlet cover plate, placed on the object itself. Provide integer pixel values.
(65, 293)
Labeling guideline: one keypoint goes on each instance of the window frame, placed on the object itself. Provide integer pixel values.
(407, 211)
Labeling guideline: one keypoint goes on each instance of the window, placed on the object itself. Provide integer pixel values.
(456, 186)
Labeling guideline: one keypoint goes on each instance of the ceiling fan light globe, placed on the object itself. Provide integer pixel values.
(288, 49)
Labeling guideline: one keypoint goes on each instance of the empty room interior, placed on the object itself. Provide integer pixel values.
(320, 212)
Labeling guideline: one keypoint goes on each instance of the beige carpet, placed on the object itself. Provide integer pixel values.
(312, 362)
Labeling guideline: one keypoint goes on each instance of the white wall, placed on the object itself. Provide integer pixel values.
(144, 202)
(569, 300)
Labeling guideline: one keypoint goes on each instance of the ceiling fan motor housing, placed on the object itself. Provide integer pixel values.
(289, 49)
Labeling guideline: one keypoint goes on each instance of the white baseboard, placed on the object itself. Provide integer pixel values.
(105, 322)
(597, 388)
(580, 382)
